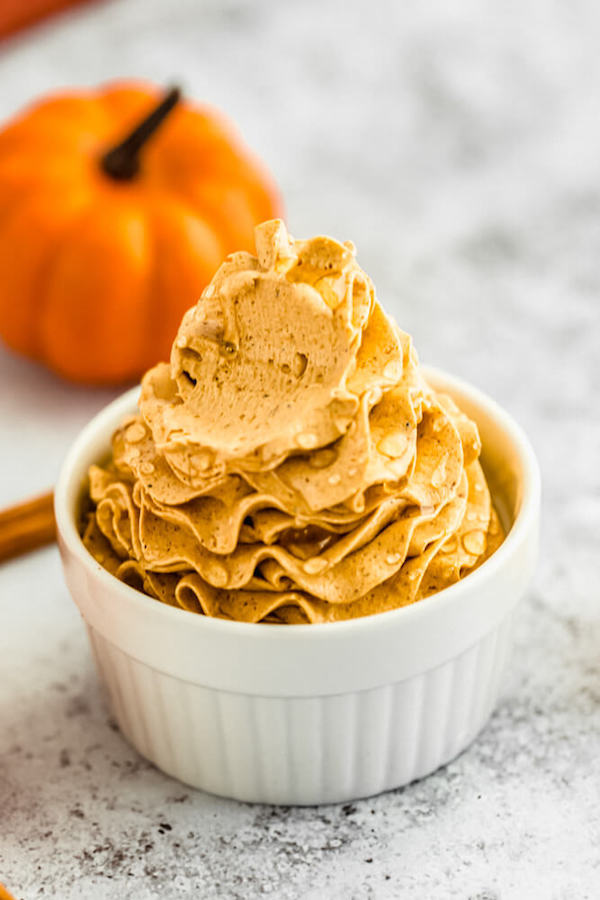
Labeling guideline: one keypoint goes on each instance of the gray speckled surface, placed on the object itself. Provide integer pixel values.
(458, 145)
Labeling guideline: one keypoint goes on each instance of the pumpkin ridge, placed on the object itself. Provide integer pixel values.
(166, 211)
(20, 322)
(207, 198)
(87, 262)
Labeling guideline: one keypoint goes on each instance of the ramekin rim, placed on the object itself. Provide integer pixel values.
(530, 500)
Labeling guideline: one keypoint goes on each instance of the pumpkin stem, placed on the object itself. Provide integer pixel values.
(122, 162)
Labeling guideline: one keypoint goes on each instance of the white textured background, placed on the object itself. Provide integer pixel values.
(458, 145)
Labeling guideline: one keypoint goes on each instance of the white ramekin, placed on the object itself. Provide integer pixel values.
(308, 714)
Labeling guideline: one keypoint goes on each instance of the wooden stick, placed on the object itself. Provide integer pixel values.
(27, 526)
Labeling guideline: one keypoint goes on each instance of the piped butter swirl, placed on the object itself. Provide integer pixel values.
(291, 464)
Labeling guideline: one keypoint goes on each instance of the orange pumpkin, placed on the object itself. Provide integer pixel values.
(102, 250)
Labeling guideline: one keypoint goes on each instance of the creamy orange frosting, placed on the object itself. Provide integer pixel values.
(291, 464)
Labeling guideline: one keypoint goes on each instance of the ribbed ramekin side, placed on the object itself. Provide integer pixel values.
(305, 750)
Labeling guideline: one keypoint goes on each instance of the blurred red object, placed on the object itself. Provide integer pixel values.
(4, 895)
(16, 14)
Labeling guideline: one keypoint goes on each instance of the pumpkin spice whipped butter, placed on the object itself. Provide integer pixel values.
(291, 463)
